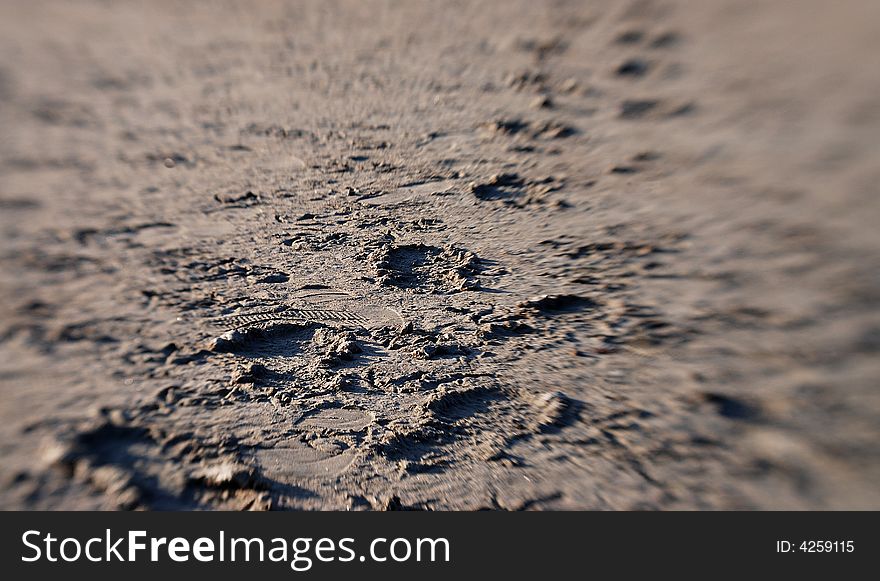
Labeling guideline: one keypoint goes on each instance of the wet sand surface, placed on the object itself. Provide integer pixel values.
(428, 255)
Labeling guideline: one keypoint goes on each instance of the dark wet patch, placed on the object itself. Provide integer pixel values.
(630, 37)
(634, 67)
(498, 187)
(731, 407)
(557, 304)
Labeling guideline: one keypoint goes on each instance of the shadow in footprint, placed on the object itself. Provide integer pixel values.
(280, 340)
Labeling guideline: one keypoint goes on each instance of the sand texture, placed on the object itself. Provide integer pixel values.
(385, 255)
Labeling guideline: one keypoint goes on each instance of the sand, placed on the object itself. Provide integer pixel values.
(420, 255)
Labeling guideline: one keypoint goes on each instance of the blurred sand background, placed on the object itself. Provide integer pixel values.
(439, 255)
